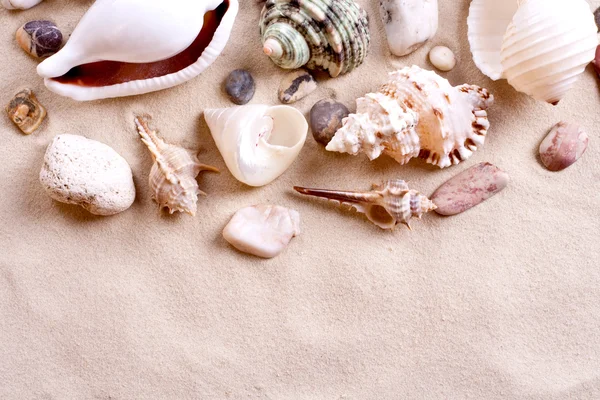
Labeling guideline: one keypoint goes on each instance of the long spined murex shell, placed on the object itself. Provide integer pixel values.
(173, 175)
(331, 35)
(417, 114)
(387, 205)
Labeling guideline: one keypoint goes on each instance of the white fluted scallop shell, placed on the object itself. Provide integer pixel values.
(540, 46)
(130, 47)
(417, 114)
(257, 142)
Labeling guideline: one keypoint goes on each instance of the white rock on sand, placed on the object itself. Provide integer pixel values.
(87, 173)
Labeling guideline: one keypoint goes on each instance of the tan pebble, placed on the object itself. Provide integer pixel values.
(263, 230)
(26, 112)
(442, 58)
(295, 86)
(469, 188)
(563, 146)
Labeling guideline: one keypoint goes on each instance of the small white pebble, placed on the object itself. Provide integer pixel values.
(442, 58)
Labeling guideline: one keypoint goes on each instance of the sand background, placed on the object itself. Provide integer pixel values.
(499, 302)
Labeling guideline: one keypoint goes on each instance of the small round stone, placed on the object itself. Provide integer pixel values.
(326, 119)
(442, 58)
(40, 38)
(240, 86)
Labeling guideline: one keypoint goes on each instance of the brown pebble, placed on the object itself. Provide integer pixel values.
(469, 188)
(597, 17)
(326, 119)
(563, 146)
(26, 111)
(40, 38)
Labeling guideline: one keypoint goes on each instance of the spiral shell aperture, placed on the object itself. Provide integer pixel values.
(331, 35)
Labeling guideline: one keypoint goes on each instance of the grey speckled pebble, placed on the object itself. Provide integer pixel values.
(296, 86)
(240, 86)
(326, 119)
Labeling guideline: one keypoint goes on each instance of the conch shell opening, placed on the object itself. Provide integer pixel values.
(149, 59)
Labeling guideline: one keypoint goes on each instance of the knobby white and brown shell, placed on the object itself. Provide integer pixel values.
(173, 175)
(417, 114)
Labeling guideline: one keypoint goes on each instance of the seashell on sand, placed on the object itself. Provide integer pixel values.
(130, 47)
(563, 146)
(408, 23)
(469, 188)
(262, 230)
(540, 46)
(19, 4)
(257, 142)
(386, 205)
(87, 173)
(173, 175)
(417, 114)
(331, 35)
(26, 111)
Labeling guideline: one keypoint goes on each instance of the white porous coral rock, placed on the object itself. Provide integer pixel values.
(417, 114)
(87, 173)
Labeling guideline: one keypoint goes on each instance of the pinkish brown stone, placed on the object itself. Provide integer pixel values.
(469, 188)
(563, 146)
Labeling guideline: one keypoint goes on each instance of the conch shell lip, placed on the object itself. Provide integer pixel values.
(181, 70)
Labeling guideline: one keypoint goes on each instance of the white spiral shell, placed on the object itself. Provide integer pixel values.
(540, 46)
(257, 142)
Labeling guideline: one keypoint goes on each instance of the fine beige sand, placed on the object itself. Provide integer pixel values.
(500, 302)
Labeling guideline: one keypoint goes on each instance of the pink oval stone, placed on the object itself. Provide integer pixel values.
(565, 143)
(469, 188)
